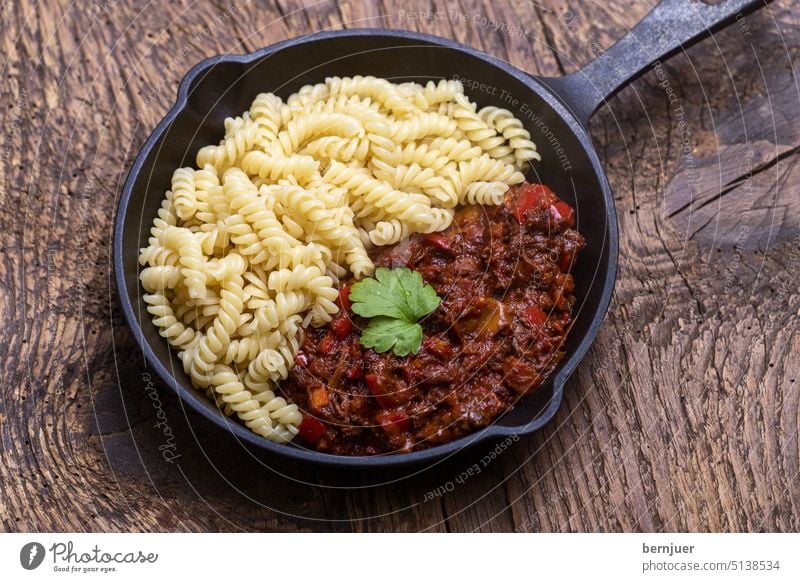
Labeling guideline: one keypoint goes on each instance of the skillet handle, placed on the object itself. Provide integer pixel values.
(671, 26)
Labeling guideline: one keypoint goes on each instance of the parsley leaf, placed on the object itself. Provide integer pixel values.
(398, 293)
(396, 299)
(384, 333)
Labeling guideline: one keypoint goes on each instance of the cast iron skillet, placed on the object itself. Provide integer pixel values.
(554, 110)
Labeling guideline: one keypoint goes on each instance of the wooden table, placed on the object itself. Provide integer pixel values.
(684, 415)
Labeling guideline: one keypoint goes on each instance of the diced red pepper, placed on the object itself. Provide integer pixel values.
(355, 373)
(535, 316)
(438, 240)
(563, 211)
(341, 327)
(565, 262)
(344, 298)
(535, 195)
(311, 429)
(384, 400)
(393, 422)
(328, 345)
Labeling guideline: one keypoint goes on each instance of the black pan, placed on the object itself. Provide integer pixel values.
(554, 110)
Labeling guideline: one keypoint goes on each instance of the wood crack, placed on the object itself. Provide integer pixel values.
(549, 39)
(740, 180)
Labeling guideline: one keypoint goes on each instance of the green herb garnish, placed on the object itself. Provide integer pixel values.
(395, 300)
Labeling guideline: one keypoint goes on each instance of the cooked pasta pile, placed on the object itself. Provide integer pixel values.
(249, 249)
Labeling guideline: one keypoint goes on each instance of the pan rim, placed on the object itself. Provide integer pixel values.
(437, 452)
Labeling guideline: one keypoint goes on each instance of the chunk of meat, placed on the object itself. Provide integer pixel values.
(504, 278)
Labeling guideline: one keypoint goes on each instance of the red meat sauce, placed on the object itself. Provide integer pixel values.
(507, 295)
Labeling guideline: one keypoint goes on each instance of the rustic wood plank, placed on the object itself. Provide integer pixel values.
(684, 415)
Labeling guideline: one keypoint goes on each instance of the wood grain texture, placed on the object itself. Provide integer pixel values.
(684, 416)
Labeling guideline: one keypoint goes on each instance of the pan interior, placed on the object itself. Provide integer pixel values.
(227, 89)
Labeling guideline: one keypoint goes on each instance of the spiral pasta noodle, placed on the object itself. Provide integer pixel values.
(479, 132)
(519, 140)
(184, 196)
(249, 247)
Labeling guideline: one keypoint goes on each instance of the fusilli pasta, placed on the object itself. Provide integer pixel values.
(249, 248)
